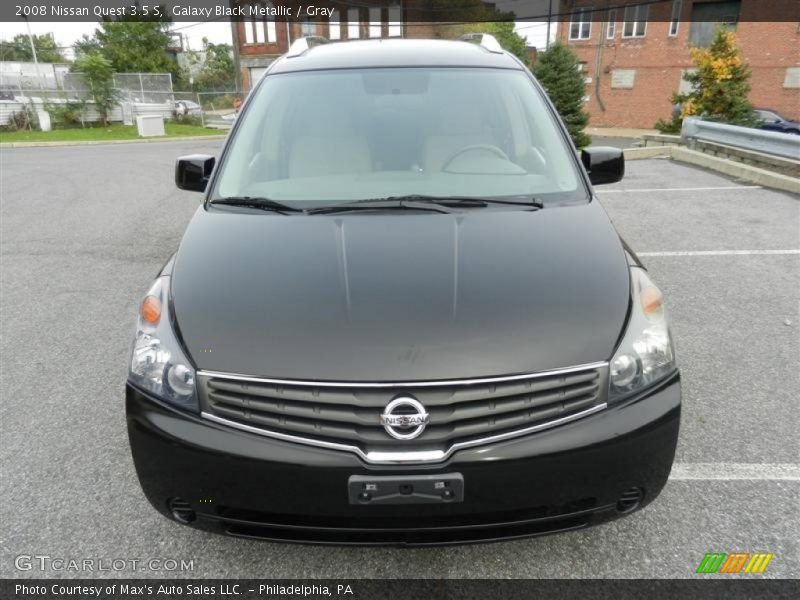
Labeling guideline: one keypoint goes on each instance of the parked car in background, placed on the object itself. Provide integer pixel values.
(187, 107)
(769, 120)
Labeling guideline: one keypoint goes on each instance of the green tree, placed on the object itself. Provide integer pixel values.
(719, 86)
(133, 46)
(19, 49)
(218, 71)
(510, 40)
(98, 73)
(86, 45)
(503, 31)
(558, 71)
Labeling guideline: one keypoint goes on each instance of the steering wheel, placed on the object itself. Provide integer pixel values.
(498, 152)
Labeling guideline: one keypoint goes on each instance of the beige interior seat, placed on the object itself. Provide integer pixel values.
(328, 146)
(461, 126)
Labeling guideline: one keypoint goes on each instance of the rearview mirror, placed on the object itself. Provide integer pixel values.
(192, 172)
(604, 164)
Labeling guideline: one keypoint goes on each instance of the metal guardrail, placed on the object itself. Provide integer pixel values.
(768, 142)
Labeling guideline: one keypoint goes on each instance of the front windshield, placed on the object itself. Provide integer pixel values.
(344, 135)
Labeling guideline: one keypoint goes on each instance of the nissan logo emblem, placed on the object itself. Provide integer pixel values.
(404, 418)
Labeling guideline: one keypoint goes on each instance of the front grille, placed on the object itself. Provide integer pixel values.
(349, 414)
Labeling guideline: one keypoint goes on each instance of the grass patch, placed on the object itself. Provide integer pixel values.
(115, 131)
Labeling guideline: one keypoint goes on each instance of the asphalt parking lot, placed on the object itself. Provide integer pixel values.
(85, 229)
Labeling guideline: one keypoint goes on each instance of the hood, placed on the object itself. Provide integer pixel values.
(400, 297)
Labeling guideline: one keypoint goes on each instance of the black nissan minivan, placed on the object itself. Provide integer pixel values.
(400, 315)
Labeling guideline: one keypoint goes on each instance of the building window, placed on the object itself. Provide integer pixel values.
(353, 27)
(707, 16)
(308, 27)
(611, 28)
(272, 34)
(635, 21)
(334, 26)
(375, 22)
(249, 32)
(580, 27)
(259, 32)
(395, 22)
(675, 19)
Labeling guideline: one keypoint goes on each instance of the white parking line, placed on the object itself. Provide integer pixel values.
(735, 471)
(686, 189)
(718, 252)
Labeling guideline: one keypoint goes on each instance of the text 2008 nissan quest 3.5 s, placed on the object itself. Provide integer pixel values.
(401, 316)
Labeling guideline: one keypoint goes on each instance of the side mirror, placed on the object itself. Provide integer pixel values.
(192, 172)
(603, 163)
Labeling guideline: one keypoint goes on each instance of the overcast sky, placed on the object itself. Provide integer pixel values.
(67, 33)
(220, 32)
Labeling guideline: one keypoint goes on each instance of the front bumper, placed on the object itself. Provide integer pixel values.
(246, 485)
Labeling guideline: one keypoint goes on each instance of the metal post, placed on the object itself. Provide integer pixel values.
(236, 59)
(33, 51)
(202, 110)
(549, 18)
(33, 46)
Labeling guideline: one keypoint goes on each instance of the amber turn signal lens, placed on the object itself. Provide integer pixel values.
(150, 310)
(651, 301)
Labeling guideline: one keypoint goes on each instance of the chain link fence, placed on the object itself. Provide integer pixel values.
(69, 100)
(23, 75)
(73, 105)
(219, 109)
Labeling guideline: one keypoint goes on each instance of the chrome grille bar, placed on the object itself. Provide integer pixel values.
(464, 413)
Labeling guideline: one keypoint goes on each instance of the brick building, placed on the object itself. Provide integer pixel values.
(634, 57)
(259, 42)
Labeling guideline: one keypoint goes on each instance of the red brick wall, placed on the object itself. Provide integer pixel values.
(768, 47)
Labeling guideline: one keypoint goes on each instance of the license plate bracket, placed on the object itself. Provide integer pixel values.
(406, 489)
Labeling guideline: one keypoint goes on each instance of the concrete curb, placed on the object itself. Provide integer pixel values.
(109, 142)
(735, 169)
(647, 152)
(619, 132)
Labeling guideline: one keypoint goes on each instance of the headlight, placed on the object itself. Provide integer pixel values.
(645, 354)
(157, 363)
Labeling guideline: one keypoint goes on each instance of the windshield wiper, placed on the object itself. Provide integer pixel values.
(388, 203)
(256, 202)
(530, 202)
(443, 204)
(421, 202)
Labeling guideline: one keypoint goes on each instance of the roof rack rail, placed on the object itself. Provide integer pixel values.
(485, 40)
(301, 45)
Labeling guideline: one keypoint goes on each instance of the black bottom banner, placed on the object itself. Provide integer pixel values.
(367, 589)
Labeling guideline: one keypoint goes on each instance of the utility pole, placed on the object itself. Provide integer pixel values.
(33, 51)
(549, 18)
(33, 47)
(236, 59)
